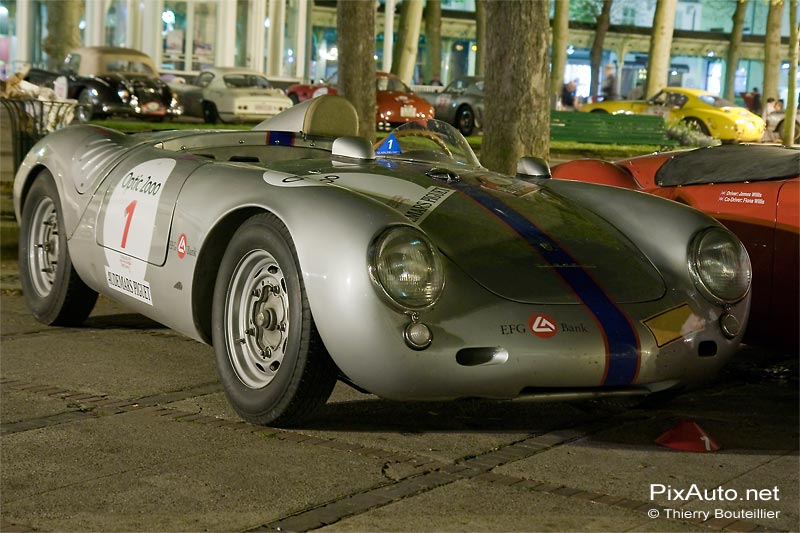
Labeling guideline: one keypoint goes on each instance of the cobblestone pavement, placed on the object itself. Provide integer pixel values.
(121, 425)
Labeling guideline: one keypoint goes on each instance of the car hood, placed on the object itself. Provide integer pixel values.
(138, 82)
(397, 99)
(517, 239)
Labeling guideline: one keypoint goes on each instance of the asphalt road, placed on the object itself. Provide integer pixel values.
(121, 426)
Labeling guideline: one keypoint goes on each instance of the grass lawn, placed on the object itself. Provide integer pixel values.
(558, 149)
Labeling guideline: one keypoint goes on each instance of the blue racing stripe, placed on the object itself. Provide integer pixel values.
(622, 342)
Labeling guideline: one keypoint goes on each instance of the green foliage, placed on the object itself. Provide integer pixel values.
(585, 10)
(689, 136)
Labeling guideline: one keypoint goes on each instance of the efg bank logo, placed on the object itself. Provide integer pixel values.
(542, 326)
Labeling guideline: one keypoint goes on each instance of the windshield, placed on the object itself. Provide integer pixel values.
(388, 83)
(715, 101)
(435, 141)
(128, 66)
(238, 81)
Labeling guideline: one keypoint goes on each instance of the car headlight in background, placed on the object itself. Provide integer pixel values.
(720, 266)
(407, 268)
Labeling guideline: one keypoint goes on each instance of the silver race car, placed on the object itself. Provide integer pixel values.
(305, 255)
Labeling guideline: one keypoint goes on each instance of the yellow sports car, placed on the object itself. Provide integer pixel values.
(708, 113)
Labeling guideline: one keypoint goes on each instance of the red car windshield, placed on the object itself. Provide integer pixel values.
(385, 83)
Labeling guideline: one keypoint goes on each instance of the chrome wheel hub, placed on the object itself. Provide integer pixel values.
(43, 247)
(257, 319)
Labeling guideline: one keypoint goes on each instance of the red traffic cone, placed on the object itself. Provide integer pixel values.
(687, 436)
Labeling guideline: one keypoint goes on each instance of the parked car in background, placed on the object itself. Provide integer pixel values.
(396, 102)
(461, 104)
(707, 113)
(231, 95)
(109, 80)
(317, 257)
(754, 190)
(300, 92)
(775, 122)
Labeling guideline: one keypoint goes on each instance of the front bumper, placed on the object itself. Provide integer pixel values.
(486, 347)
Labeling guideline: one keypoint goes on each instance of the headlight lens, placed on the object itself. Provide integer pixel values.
(720, 265)
(407, 268)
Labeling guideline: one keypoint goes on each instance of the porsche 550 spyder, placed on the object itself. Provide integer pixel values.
(305, 255)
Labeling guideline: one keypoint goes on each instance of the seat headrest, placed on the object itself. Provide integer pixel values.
(326, 116)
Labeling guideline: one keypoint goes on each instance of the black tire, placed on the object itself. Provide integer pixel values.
(599, 111)
(293, 97)
(210, 114)
(84, 112)
(779, 131)
(465, 120)
(270, 359)
(697, 125)
(52, 289)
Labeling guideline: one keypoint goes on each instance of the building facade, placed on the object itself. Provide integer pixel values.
(296, 39)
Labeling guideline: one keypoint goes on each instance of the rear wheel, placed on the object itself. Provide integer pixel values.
(697, 125)
(210, 114)
(271, 361)
(465, 120)
(52, 289)
(779, 131)
(293, 97)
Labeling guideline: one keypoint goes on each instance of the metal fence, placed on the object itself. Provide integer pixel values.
(30, 120)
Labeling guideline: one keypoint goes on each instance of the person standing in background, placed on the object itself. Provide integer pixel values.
(637, 93)
(609, 87)
(568, 92)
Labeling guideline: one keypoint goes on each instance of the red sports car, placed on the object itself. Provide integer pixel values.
(397, 104)
(754, 190)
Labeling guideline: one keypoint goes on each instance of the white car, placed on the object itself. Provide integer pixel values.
(231, 95)
(775, 122)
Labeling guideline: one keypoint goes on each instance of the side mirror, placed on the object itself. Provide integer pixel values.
(532, 167)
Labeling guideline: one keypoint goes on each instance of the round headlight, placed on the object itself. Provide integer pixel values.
(720, 265)
(407, 268)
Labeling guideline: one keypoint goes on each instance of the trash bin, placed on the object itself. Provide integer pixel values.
(30, 120)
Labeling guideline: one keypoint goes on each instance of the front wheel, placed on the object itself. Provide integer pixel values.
(271, 361)
(465, 120)
(84, 111)
(52, 289)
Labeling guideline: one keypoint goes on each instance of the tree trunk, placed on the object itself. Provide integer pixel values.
(480, 37)
(405, 51)
(789, 126)
(660, 46)
(560, 41)
(433, 37)
(596, 54)
(733, 49)
(517, 116)
(63, 33)
(772, 51)
(355, 25)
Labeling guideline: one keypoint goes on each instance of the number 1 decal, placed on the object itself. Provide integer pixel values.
(128, 217)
